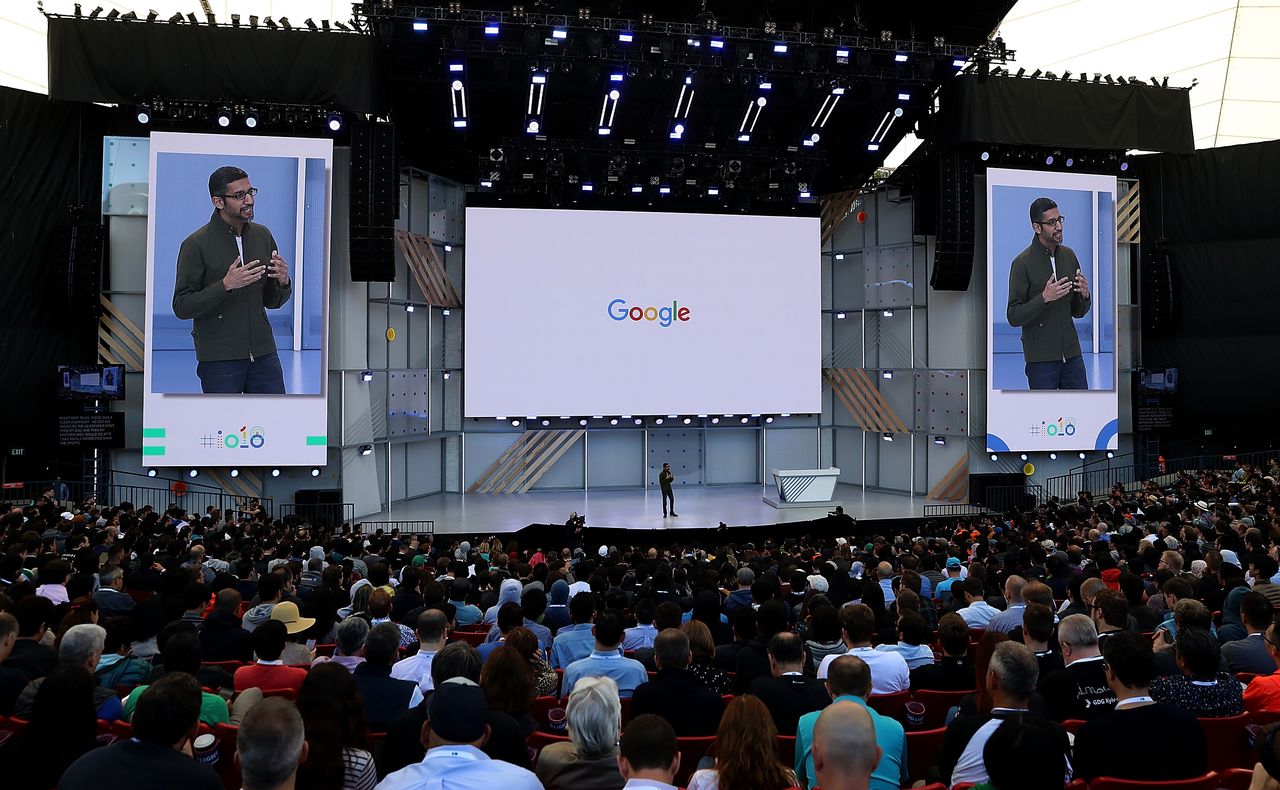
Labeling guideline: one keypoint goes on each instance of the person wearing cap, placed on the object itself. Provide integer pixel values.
(456, 730)
(943, 593)
(742, 595)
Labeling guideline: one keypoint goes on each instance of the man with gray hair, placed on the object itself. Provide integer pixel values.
(350, 650)
(844, 747)
(742, 595)
(270, 745)
(111, 597)
(675, 693)
(590, 758)
(1011, 617)
(1079, 691)
(1011, 679)
(81, 646)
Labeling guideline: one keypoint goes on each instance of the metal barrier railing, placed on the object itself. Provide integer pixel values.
(331, 515)
(405, 527)
(193, 498)
(1098, 478)
(946, 511)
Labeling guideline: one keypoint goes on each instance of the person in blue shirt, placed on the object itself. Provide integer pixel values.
(575, 641)
(849, 680)
(643, 634)
(605, 660)
(944, 593)
(468, 613)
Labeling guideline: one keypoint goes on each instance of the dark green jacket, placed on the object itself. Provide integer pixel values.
(226, 325)
(1047, 329)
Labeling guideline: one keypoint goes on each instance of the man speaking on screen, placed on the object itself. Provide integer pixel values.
(1047, 290)
(229, 274)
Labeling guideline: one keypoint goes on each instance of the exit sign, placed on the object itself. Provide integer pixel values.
(17, 451)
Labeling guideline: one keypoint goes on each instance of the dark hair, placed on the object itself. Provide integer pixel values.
(182, 653)
(786, 648)
(63, 726)
(33, 613)
(859, 622)
(1179, 588)
(668, 615)
(219, 179)
(269, 587)
(432, 625)
(609, 628)
(1131, 659)
(671, 647)
(1266, 566)
(380, 645)
(1114, 607)
(333, 718)
(1199, 651)
(195, 595)
(974, 586)
(743, 621)
(509, 616)
(1039, 206)
(824, 624)
(953, 634)
(507, 680)
(913, 628)
(534, 602)
(648, 742)
(772, 618)
(1026, 752)
(456, 660)
(645, 610)
(269, 640)
(1132, 585)
(1037, 622)
(582, 607)
(1255, 610)
(167, 710)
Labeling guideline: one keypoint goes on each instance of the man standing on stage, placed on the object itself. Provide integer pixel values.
(1046, 291)
(664, 481)
(229, 274)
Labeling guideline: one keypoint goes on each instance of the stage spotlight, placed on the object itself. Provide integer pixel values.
(275, 472)
(1070, 161)
(270, 23)
(446, 312)
(311, 24)
(1053, 456)
(745, 420)
(888, 374)
(315, 471)
(658, 421)
(985, 156)
(151, 473)
(636, 189)
(545, 423)
(235, 473)
(625, 37)
(839, 256)
(900, 57)
(582, 422)
(420, 26)
(639, 421)
(113, 13)
(491, 29)
(873, 146)
(779, 49)
(717, 43)
(588, 188)
(1081, 456)
(366, 375)
(1048, 160)
(608, 110)
(995, 457)
(366, 449)
(333, 121)
(768, 420)
(144, 113)
(515, 423)
(887, 313)
(251, 119)
(713, 191)
(1110, 455)
(223, 116)
(447, 374)
(840, 316)
(193, 473)
(559, 34)
(687, 420)
(940, 440)
(408, 308)
(888, 437)
(537, 92)
(176, 19)
(715, 420)
(1124, 165)
(613, 421)
(1023, 456)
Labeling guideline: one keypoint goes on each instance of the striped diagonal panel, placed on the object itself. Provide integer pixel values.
(793, 487)
(857, 391)
(525, 462)
(428, 270)
(119, 338)
(835, 208)
(954, 485)
(1129, 216)
(247, 485)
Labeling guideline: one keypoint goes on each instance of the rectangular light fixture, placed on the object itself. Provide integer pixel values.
(560, 33)
(420, 26)
(900, 58)
(491, 29)
(625, 37)
(904, 97)
(780, 49)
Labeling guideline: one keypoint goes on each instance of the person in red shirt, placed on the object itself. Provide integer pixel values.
(269, 672)
(1264, 692)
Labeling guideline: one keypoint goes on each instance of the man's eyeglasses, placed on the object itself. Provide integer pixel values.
(1057, 221)
(242, 194)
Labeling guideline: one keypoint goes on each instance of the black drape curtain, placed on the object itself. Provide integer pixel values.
(1221, 229)
(50, 162)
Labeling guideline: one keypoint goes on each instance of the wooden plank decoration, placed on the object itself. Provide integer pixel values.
(427, 269)
(120, 340)
(525, 462)
(836, 207)
(954, 485)
(1129, 216)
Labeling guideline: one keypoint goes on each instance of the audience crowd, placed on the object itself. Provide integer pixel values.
(1083, 639)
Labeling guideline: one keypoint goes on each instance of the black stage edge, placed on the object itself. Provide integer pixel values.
(560, 535)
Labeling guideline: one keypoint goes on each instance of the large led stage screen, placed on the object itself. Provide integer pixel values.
(1051, 301)
(589, 313)
(237, 300)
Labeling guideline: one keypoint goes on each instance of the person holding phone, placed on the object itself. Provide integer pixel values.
(1047, 292)
(230, 273)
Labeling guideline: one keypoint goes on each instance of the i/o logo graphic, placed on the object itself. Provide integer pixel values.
(247, 438)
(1064, 426)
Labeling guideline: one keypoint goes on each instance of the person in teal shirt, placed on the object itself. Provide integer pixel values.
(849, 680)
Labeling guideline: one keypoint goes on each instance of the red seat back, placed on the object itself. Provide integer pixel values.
(692, 750)
(289, 694)
(787, 749)
(1207, 782)
(1226, 741)
(1235, 779)
(889, 705)
(473, 638)
(922, 752)
(936, 704)
(227, 768)
(1073, 725)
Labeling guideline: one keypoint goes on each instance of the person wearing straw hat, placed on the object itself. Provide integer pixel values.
(296, 625)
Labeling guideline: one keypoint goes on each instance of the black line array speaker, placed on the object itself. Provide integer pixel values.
(80, 248)
(375, 198)
(953, 248)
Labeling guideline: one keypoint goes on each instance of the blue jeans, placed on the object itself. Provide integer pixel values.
(1057, 375)
(262, 376)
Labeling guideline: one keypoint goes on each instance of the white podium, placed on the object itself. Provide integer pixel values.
(804, 488)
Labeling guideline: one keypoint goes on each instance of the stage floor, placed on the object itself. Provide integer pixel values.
(699, 508)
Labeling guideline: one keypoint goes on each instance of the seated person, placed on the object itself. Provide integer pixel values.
(1200, 689)
(269, 671)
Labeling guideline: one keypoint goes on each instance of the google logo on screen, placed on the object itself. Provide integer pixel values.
(665, 316)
